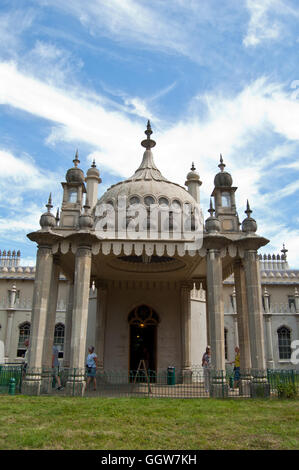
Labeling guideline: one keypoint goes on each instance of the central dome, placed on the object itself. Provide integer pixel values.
(147, 185)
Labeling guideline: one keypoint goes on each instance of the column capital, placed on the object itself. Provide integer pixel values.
(84, 251)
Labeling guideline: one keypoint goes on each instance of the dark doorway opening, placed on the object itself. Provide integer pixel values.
(143, 338)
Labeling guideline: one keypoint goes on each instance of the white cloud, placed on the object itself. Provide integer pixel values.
(267, 20)
(230, 126)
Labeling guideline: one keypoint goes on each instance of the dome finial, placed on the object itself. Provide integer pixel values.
(221, 164)
(248, 210)
(284, 251)
(76, 159)
(211, 210)
(148, 143)
(49, 205)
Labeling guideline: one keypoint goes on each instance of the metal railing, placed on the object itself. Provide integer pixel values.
(168, 383)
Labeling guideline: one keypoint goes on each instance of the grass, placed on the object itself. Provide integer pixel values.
(136, 423)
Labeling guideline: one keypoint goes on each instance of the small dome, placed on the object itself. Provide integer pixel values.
(193, 175)
(75, 174)
(223, 179)
(47, 219)
(93, 171)
(212, 224)
(86, 219)
(249, 224)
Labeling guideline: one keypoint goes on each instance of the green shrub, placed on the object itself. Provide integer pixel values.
(286, 390)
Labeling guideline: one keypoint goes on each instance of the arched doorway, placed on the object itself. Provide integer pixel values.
(143, 321)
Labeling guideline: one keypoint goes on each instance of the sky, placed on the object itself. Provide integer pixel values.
(212, 76)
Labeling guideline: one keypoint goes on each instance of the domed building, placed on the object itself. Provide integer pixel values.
(145, 248)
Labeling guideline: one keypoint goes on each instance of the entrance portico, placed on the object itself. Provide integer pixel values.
(142, 276)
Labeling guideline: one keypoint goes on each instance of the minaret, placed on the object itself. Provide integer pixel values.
(193, 183)
(92, 184)
(73, 190)
(225, 203)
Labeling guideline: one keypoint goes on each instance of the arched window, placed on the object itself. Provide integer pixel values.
(24, 334)
(59, 338)
(284, 342)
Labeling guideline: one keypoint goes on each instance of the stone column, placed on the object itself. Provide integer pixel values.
(270, 359)
(255, 321)
(242, 317)
(51, 315)
(216, 322)
(186, 330)
(50, 327)
(76, 381)
(101, 319)
(41, 295)
(10, 315)
(68, 326)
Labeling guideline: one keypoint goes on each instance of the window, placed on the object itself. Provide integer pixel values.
(149, 200)
(292, 305)
(225, 200)
(163, 202)
(24, 333)
(72, 196)
(284, 342)
(134, 200)
(59, 338)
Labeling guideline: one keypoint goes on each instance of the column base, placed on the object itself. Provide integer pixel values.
(32, 384)
(218, 387)
(187, 376)
(75, 385)
(259, 387)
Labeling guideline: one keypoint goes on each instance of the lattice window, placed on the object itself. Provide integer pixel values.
(24, 334)
(284, 342)
(59, 338)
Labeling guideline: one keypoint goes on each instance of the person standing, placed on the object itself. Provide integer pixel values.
(236, 363)
(92, 364)
(206, 364)
(55, 367)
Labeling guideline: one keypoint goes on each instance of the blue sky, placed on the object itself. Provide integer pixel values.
(214, 77)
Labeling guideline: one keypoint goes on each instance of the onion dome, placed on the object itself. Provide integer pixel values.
(75, 174)
(249, 224)
(93, 171)
(147, 185)
(223, 179)
(47, 219)
(212, 223)
(86, 219)
(192, 175)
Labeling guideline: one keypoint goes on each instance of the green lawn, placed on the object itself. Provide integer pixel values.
(137, 423)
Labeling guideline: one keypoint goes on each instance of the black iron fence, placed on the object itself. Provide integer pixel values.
(168, 383)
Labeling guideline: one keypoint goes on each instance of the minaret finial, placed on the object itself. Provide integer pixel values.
(221, 164)
(148, 143)
(93, 163)
(193, 167)
(211, 210)
(76, 159)
(284, 251)
(49, 205)
(248, 210)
